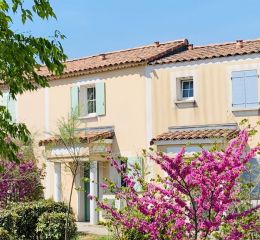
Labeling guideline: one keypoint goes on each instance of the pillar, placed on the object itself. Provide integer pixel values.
(57, 182)
(93, 192)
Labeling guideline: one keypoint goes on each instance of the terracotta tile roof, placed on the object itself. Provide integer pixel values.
(213, 51)
(119, 59)
(227, 133)
(84, 137)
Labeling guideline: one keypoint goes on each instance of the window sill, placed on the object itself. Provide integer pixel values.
(246, 111)
(186, 103)
(92, 115)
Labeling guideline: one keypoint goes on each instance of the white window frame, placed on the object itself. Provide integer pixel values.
(182, 81)
(176, 77)
(242, 67)
(85, 97)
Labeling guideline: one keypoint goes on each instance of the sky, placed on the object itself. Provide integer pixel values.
(96, 26)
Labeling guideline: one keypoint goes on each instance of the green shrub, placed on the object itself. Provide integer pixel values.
(4, 234)
(51, 226)
(7, 220)
(133, 234)
(22, 219)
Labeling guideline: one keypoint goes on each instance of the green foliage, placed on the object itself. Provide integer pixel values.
(22, 219)
(21, 56)
(133, 234)
(4, 234)
(51, 226)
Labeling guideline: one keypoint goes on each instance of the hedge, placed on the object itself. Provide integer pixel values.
(21, 220)
(4, 234)
(51, 226)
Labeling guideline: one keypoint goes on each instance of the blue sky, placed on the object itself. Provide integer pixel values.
(95, 26)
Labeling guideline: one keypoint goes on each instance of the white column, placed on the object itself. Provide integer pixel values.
(57, 182)
(93, 192)
(79, 183)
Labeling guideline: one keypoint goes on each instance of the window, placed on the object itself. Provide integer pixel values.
(91, 100)
(186, 89)
(87, 100)
(245, 89)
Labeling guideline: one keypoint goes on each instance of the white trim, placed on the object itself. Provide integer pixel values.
(149, 115)
(220, 60)
(189, 141)
(57, 182)
(16, 110)
(175, 81)
(91, 115)
(148, 100)
(49, 165)
(46, 111)
(87, 81)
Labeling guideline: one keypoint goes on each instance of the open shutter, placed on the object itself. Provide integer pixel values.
(131, 162)
(100, 98)
(74, 98)
(5, 98)
(11, 105)
(238, 90)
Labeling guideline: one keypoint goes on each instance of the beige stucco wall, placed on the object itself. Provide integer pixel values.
(212, 89)
(125, 110)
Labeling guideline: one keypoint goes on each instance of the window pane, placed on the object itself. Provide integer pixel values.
(186, 85)
(191, 93)
(185, 93)
(91, 107)
(251, 91)
(187, 89)
(91, 93)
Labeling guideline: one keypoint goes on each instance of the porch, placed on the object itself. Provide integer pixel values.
(92, 150)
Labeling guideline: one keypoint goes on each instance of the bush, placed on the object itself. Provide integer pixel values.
(20, 182)
(51, 226)
(7, 219)
(4, 234)
(22, 219)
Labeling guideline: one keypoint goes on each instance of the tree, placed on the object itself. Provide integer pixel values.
(21, 57)
(68, 137)
(198, 198)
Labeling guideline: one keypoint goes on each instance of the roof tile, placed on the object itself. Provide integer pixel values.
(118, 59)
(84, 137)
(212, 51)
(195, 134)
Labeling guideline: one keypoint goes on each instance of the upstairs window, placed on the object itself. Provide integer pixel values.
(91, 100)
(187, 89)
(245, 89)
(88, 99)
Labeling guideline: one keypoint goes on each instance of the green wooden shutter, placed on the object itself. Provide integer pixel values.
(11, 105)
(100, 98)
(131, 162)
(5, 98)
(74, 98)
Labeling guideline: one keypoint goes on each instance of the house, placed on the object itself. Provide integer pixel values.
(165, 94)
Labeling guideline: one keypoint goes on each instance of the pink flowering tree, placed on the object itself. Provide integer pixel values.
(198, 199)
(21, 180)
